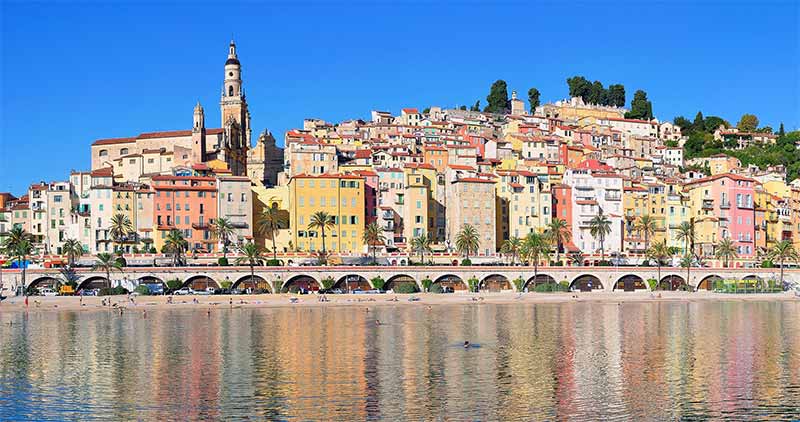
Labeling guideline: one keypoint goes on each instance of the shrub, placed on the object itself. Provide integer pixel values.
(135, 249)
(519, 283)
(153, 249)
(223, 262)
(273, 263)
(466, 262)
(646, 263)
(436, 288)
(226, 284)
(426, 284)
(652, 283)
(604, 263)
(472, 282)
(544, 288)
(406, 288)
(767, 264)
(174, 284)
(557, 264)
(563, 285)
(327, 282)
(142, 290)
(378, 282)
(719, 285)
(119, 290)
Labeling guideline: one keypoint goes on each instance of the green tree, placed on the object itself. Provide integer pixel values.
(687, 262)
(558, 233)
(476, 107)
(599, 227)
(18, 244)
(321, 220)
(533, 99)
(699, 124)
(497, 100)
(535, 247)
(641, 107)
(781, 252)
(106, 262)
(175, 245)
(725, 251)
(222, 229)
(73, 249)
(421, 244)
(463, 107)
(684, 124)
(647, 226)
(579, 87)
(616, 95)
(511, 247)
(712, 123)
(120, 227)
(269, 223)
(426, 110)
(252, 255)
(748, 123)
(374, 238)
(467, 240)
(597, 94)
(659, 252)
(781, 132)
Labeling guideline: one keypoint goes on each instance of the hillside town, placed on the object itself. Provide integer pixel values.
(429, 181)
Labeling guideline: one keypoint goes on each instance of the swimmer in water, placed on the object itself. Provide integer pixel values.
(466, 345)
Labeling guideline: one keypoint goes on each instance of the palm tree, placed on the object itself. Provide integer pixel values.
(252, 255)
(559, 234)
(659, 252)
(222, 229)
(687, 262)
(321, 220)
(18, 244)
(782, 251)
(535, 248)
(421, 244)
(120, 227)
(72, 248)
(107, 262)
(599, 227)
(725, 251)
(685, 234)
(176, 245)
(467, 240)
(647, 226)
(270, 222)
(576, 257)
(511, 247)
(373, 237)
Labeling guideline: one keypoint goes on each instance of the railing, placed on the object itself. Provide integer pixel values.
(725, 204)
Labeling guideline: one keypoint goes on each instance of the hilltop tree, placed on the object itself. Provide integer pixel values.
(463, 107)
(476, 107)
(699, 124)
(579, 87)
(683, 123)
(497, 100)
(597, 95)
(712, 123)
(748, 123)
(533, 99)
(641, 107)
(781, 132)
(615, 96)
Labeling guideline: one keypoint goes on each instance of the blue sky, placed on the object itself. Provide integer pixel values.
(74, 73)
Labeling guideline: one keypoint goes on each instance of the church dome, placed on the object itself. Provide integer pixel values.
(232, 61)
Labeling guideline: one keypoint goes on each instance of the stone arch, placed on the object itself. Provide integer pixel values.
(200, 282)
(586, 283)
(255, 283)
(451, 280)
(44, 281)
(352, 282)
(397, 280)
(298, 282)
(538, 280)
(95, 282)
(707, 283)
(495, 283)
(630, 283)
(671, 282)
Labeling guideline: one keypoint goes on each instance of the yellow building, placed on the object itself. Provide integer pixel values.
(341, 196)
(523, 204)
(275, 197)
(418, 204)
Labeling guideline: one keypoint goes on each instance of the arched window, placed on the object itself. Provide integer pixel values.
(123, 151)
(103, 153)
(230, 91)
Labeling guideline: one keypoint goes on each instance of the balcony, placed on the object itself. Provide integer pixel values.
(613, 197)
(387, 215)
(708, 204)
(201, 225)
(388, 226)
(725, 204)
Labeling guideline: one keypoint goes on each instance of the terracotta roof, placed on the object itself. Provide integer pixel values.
(112, 141)
(460, 167)
(474, 180)
(103, 172)
(589, 202)
(410, 111)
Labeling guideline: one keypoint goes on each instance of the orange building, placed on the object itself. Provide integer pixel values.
(187, 204)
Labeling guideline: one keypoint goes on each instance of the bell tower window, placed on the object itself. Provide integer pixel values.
(230, 91)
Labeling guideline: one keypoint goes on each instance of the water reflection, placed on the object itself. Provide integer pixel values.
(648, 361)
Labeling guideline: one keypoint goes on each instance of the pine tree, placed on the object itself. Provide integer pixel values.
(641, 107)
(498, 97)
(533, 99)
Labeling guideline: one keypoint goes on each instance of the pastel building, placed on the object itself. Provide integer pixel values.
(187, 204)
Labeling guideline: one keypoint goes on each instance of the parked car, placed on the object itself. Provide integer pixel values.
(88, 292)
(184, 291)
(47, 292)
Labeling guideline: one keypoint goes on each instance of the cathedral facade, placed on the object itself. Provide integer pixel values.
(223, 150)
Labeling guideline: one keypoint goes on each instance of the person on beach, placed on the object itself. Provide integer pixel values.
(466, 344)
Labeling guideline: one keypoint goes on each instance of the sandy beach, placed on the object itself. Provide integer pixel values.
(141, 303)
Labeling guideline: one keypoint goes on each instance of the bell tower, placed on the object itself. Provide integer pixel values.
(198, 134)
(233, 103)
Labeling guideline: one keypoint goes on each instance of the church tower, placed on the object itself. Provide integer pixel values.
(198, 134)
(233, 103)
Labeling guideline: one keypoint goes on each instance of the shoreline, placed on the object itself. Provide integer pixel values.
(141, 303)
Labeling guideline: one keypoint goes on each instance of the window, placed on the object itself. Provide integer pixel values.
(244, 197)
(103, 153)
(177, 207)
(123, 151)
